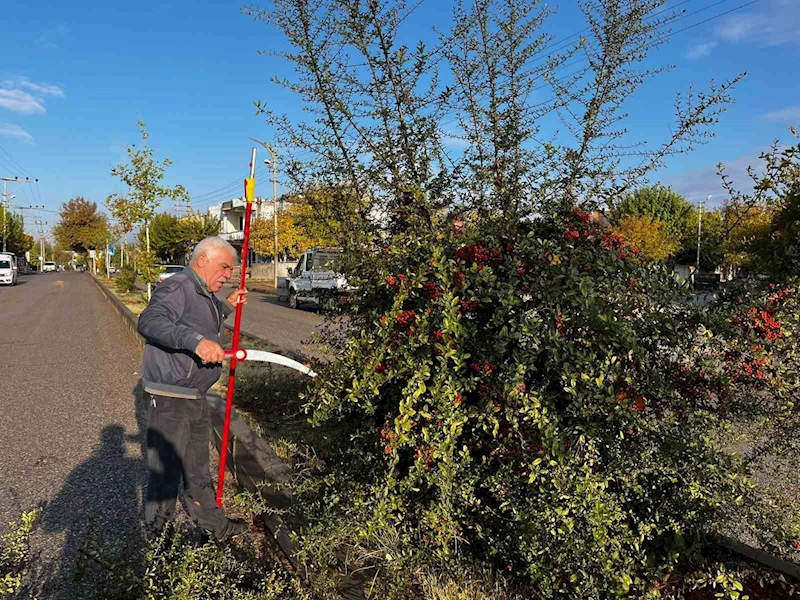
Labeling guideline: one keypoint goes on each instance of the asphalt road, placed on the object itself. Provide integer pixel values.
(70, 423)
(275, 322)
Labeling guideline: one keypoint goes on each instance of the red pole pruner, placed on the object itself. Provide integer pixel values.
(237, 354)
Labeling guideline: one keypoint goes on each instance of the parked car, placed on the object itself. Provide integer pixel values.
(49, 267)
(168, 271)
(8, 269)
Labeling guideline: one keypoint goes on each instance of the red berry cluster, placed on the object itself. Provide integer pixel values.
(571, 234)
(470, 305)
(761, 322)
(582, 216)
(612, 241)
(396, 281)
(561, 325)
(780, 295)
(437, 335)
(426, 455)
(480, 255)
(483, 366)
(433, 291)
(386, 439)
(404, 318)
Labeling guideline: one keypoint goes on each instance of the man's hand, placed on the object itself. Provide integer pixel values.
(238, 296)
(209, 352)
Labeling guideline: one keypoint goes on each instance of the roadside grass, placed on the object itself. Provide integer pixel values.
(135, 300)
(184, 563)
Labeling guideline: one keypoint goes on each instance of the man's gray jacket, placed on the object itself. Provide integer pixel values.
(181, 313)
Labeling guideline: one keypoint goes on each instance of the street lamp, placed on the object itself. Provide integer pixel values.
(274, 163)
(699, 230)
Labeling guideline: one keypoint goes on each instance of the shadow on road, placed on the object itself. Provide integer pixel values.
(99, 506)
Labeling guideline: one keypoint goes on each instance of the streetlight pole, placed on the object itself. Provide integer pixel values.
(274, 161)
(700, 230)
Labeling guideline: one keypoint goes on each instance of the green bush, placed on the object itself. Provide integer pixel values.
(126, 279)
(14, 553)
(543, 404)
(178, 565)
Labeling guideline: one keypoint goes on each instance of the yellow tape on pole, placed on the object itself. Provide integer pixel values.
(249, 189)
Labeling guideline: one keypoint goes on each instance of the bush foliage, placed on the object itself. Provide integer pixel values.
(546, 404)
(126, 280)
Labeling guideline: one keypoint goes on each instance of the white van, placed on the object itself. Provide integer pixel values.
(8, 269)
(312, 279)
(49, 267)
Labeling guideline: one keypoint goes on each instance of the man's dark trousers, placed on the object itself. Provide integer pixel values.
(177, 446)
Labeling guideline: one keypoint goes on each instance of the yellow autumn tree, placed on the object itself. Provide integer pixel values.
(649, 235)
(306, 221)
(748, 228)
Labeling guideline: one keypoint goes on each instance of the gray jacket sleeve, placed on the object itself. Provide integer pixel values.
(227, 308)
(158, 322)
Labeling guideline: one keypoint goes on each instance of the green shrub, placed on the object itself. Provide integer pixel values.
(544, 404)
(126, 279)
(177, 565)
(14, 553)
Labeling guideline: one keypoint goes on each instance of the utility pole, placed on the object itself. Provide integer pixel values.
(40, 225)
(5, 181)
(274, 161)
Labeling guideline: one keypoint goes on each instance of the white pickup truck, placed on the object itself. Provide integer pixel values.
(312, 280)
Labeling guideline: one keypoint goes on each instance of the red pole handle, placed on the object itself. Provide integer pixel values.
(234, 353)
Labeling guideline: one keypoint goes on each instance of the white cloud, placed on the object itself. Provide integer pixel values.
(700, 50)
(21, 95)
(21, 102)
(775, 23)
(697, 184)
(789, 115)
(42, 88)
(15, 131)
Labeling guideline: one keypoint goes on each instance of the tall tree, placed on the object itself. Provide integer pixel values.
(12, 228)
(307, 220)
(81, 227)
(649, 235)
(659, 203)
(143, 175)
(712, 238)
(773, 248)
(195, 228)
(165, 237)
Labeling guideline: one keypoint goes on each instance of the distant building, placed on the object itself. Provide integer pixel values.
(231, 216)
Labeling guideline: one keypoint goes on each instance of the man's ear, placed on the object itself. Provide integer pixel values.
(202, 260)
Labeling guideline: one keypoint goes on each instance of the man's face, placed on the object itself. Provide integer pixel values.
(215, 268)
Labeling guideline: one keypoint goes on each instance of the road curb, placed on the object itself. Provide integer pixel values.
(130, 320)
(258, 469)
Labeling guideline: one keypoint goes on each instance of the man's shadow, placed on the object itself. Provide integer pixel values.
(99, 505)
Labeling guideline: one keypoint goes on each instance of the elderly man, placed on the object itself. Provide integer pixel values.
(183, 326)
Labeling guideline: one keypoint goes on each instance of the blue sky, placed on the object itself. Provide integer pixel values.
(77, 75)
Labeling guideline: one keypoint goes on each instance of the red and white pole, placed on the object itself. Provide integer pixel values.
(249, 195)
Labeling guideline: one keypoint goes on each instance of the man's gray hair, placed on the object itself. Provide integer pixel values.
(209, 246)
